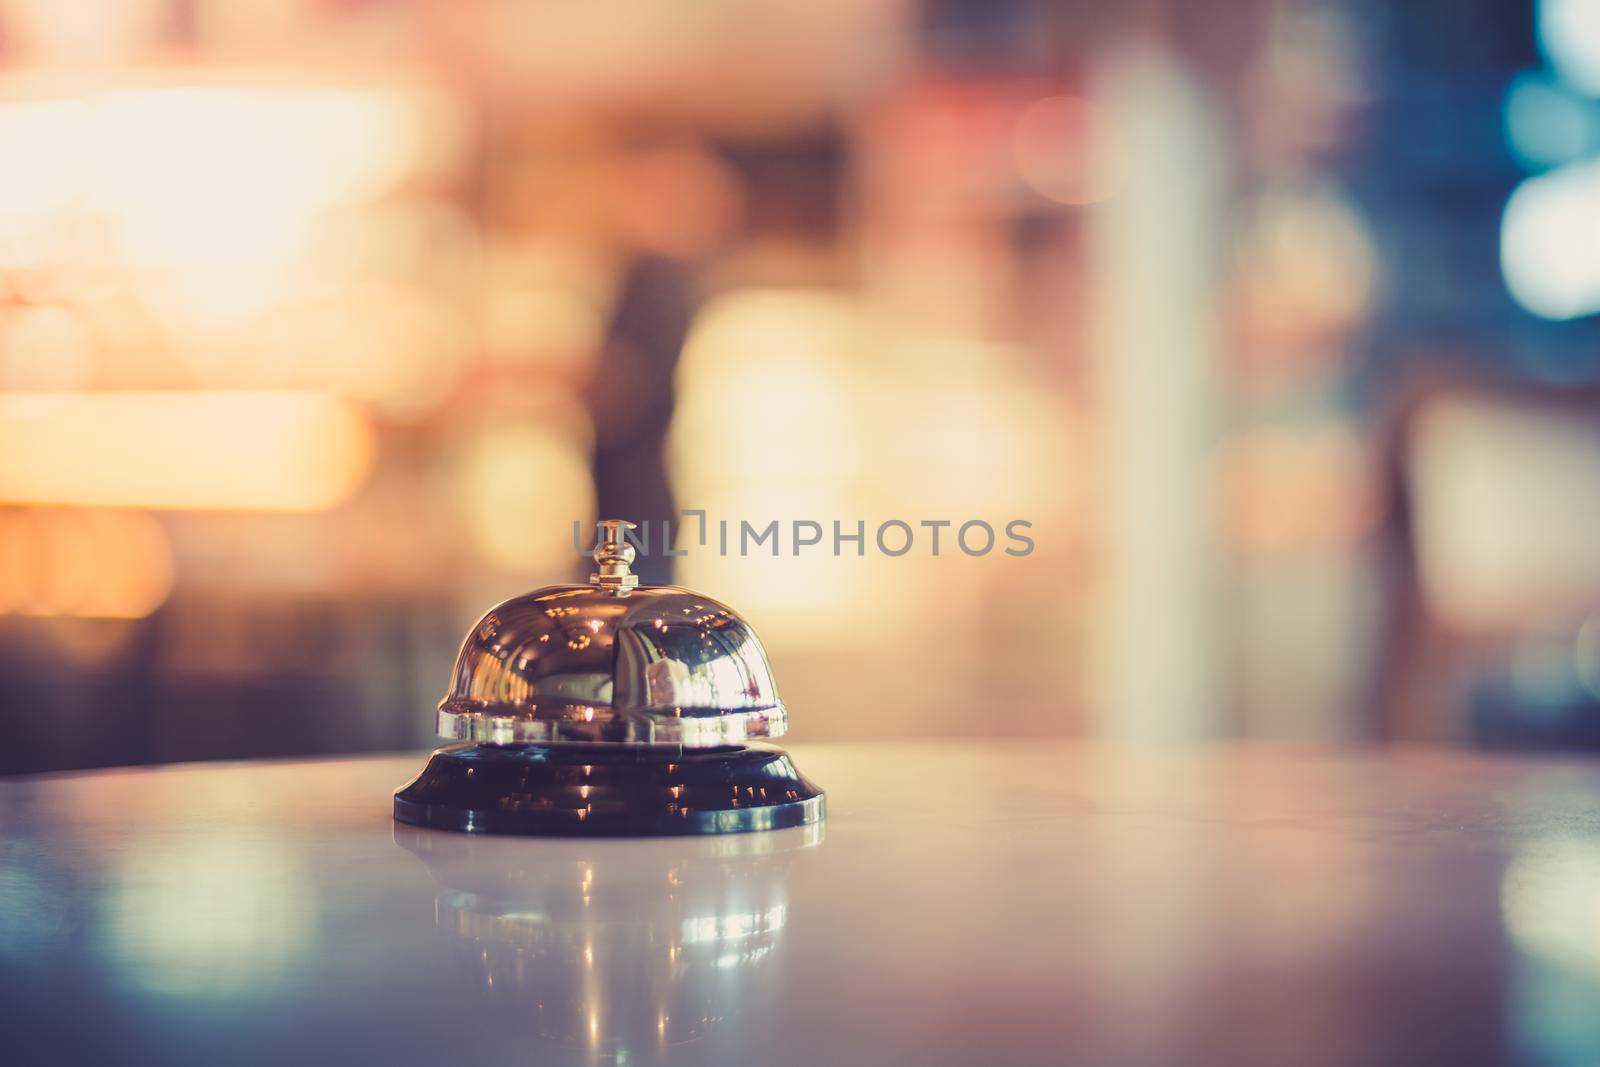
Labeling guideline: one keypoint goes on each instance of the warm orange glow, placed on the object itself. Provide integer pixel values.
(216, 193)
(258, 451)
(855, 420)
(521, 486)
(1505, 501)
(91, 564)
(803, 352)
(1307, 268)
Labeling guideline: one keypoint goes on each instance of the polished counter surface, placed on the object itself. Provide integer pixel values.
(985, 904)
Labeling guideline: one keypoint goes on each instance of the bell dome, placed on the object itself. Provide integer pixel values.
(582, 663)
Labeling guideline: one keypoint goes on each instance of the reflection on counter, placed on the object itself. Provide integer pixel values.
(621, 951)
(210, 915)
(1550, 900)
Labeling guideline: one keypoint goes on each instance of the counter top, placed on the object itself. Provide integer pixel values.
(964, 903)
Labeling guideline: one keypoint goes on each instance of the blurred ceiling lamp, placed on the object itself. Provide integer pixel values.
(221, 187)
(215, 189)
(251, 451)
(1548, 254)
(1569, 36)
(1068, 150)
(87, 563)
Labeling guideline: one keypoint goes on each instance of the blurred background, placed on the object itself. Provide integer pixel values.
(321, 321)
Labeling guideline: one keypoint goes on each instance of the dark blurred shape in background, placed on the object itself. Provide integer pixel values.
(321, 324)
(631, 402)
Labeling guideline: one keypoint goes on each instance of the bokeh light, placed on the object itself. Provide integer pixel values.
(522, 485)
(1569, 35)
(268, 451)
(1550, 261)
(1068, 150)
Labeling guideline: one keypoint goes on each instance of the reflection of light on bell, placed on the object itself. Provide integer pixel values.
(676, 939)
(611, 708)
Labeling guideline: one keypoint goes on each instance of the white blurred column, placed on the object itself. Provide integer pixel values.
(1155, 262)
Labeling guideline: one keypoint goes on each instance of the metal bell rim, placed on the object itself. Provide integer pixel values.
(462, 721)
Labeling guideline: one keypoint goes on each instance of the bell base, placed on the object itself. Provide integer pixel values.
(608, 790)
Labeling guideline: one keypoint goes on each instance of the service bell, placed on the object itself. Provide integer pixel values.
(611, 708)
